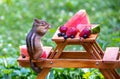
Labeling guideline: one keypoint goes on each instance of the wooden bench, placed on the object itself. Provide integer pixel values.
(111, 55)
(24, 62)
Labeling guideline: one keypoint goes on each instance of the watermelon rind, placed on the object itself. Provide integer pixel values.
(95, 28)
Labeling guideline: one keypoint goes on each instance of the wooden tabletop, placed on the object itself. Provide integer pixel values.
(91, 38)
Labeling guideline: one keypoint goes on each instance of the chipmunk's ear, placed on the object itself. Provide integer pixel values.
(36, 20)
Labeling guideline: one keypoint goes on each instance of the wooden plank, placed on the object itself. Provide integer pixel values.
(107, 74)
(95, 51)
(98, 49)
(60, 49)
(67, 55)
(55, 38)
(75, 55)
(111, 54)
(45, 71)
(71, 63)
(115, 74)
(89, 50)
(111, 72)
(42, 74)
(119, 56)
(47, 50)
(54, 51)
(78, 63)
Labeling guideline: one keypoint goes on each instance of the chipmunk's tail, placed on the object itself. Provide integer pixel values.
(34, 67)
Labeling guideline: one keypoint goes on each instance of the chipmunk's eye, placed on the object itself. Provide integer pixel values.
(43, 23)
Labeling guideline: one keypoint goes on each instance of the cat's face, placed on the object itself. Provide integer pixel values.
(41, 26)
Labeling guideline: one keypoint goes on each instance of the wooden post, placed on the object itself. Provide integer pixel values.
(58, 50)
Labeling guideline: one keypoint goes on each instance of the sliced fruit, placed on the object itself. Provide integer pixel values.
(23, 51)
(80, 27)
(63, 29)
(78, 24)
(63, 34)
(85, 33)
(72, 31)
(85, 36)
(95, 28)
(44, 55)
(80, 17)
(65, 37)
(59, 34)
(72, 36)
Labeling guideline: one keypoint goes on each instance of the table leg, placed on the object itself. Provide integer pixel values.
(106, 72)
(114, 72)
(100, 51)
(60, 49)
(94, 50)
(43, 73)
(56, 53)
(88, 50)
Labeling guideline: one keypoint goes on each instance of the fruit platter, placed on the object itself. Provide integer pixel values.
(77, 28)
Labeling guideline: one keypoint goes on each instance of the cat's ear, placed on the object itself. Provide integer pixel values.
(36, 20)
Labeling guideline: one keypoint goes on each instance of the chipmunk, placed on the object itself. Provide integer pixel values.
(33, 41)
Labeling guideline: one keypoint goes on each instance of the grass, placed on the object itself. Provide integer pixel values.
(16, 17)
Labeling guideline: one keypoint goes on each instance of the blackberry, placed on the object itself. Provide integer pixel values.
(59, 34)
(72, 36)
(62, 34)
(85, 36)
(23, 56)
(65, 37)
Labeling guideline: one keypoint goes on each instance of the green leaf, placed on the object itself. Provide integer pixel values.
(7, 71)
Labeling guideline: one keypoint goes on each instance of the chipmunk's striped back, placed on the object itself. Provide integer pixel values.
(33, 43)
(30, 42)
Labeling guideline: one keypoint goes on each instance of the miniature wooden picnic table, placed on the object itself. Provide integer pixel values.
(94, 57)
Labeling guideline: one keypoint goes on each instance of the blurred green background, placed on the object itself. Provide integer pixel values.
(16, 17)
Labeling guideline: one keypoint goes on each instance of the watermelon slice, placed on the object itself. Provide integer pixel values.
(24, 53)
(44, 55)
(80, 27)
(80, 17)
(79, 21)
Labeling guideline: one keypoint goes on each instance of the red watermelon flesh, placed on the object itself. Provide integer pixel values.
(72, 31)
(80, 27)
(23, 52)
(80, 17)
